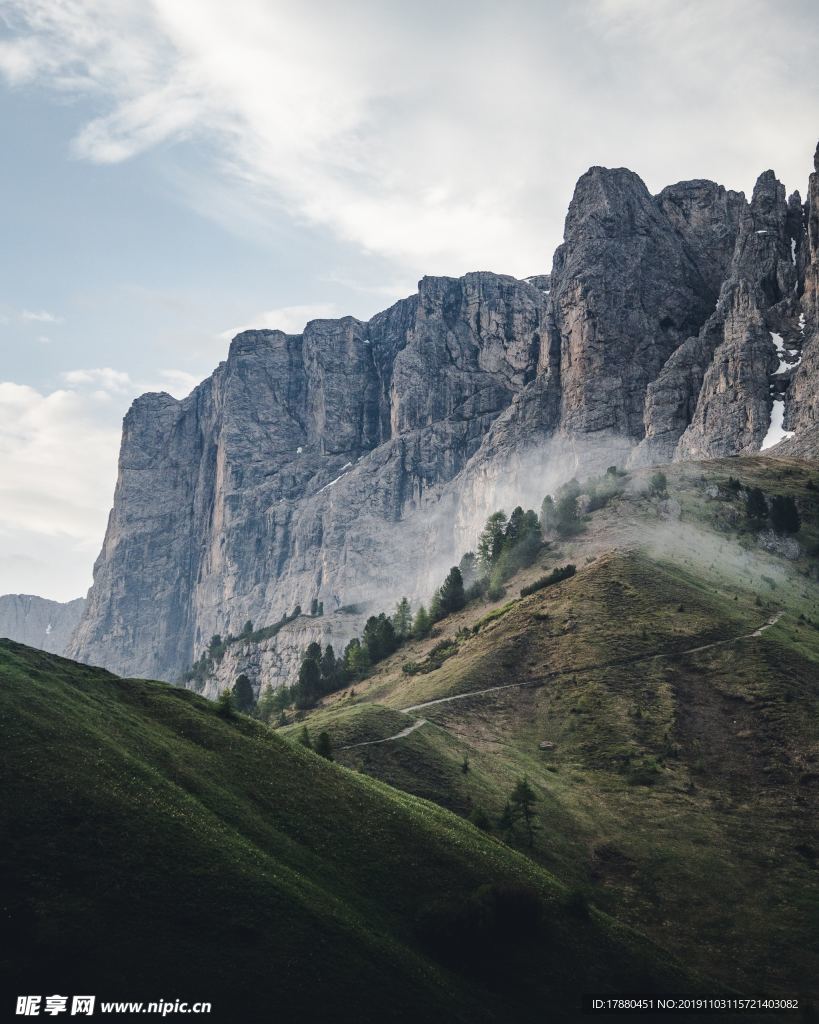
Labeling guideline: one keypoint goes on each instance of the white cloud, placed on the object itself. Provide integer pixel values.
(290, 319)
(39, 316)
(57, 473)
(104, 378)
(447, 138)
(58, 465)
(105, 382)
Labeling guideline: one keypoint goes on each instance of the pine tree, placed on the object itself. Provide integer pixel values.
(243, 694)
(506, 822)
(421, 624)
(329, 670)
(356, 659)
(313, 652)
(379, 638)
(565, 511)
(514, 528)
(402, 619)
(756, 508)
(490, 541)
(226, 704)
(785, 516)
(523, 800)
(323, 746)
(452, 595)
(304, 738)
(308, 689)
(469, 568)
(548, 521)
(436, 612)
(247, 629)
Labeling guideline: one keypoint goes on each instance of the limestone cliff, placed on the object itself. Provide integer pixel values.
(354, 462)
(38, 622)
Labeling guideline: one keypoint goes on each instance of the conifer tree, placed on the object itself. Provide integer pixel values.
(329, 670)
(243, 694)
(756, 508)
(323, 746)
(469, 568)
(402, 619)
(308, 689)
(506, 822)
(785, 516)
(522, 800)
(226, 704)
(452, 596)
(490, 541)
(421, 624)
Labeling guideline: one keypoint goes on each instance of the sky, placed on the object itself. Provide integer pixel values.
(176, 170)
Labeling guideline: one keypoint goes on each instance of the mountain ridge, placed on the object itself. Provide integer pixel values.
(315, 467)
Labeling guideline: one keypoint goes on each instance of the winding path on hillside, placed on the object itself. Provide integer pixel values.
(388, 739)
(631, 660)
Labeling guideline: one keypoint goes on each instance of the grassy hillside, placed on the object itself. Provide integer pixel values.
(155, 849)
(664, 704)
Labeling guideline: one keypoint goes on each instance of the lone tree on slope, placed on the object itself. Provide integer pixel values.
(243, 694)
(522, 800)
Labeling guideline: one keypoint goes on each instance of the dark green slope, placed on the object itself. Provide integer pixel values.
(152, 849)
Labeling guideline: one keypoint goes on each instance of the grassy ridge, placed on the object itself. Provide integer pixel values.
(681, 790)
(155, 849)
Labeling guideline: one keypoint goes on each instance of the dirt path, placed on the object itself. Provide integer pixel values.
(389, 739)
(633, 659)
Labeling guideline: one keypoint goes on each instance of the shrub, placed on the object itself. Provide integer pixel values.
(785, 516)
(658, 485)
(547, 581)
(480, 819)
(226, 704)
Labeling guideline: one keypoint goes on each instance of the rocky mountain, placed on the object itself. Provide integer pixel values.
(351, 463)
(38, 622)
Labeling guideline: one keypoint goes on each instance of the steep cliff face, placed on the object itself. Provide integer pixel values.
(715, 395)
(803, 414)
(37, 622)
(627, 289)
(279, 479)
(352, 463)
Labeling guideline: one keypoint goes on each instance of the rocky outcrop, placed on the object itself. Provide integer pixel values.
(352, 463)
(38, 622)
(714, 396)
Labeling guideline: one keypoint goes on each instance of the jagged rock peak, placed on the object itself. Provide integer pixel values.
(311, 466)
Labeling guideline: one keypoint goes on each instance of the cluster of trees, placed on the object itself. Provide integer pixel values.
(518, 816)
(562, 513)
(323, 745)
(504, 546)
(781, 513)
